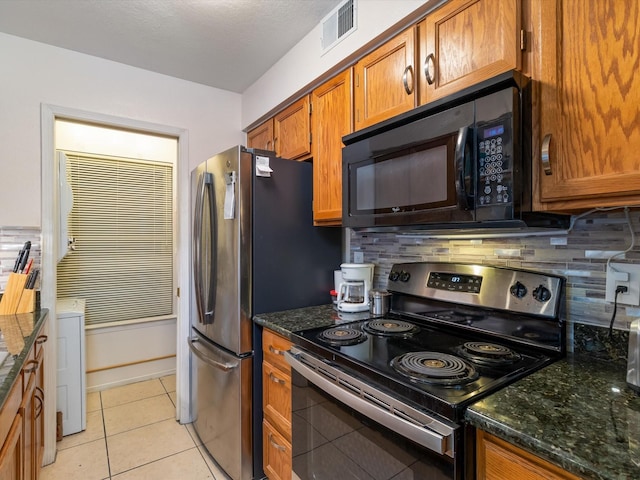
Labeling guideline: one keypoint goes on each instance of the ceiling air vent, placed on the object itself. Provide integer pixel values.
(338, 24)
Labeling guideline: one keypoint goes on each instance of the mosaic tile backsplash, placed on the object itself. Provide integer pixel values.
(580, 256)
(11, 241)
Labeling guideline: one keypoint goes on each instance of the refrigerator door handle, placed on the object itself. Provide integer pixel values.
(206, 356)
(206, 308)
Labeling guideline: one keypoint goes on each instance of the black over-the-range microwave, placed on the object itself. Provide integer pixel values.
(462, 161)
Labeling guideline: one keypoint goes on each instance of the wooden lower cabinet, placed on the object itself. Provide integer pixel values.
(500, 460)
(276, 405)
(11, 423)
(277, 454)
(22, 420)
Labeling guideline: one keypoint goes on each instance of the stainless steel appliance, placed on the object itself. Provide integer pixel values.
(385, 397)
(255, 250)
(463, 161)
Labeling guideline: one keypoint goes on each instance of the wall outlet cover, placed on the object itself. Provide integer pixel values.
(627, 275)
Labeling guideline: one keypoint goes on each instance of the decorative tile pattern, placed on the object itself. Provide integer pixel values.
(580, 256)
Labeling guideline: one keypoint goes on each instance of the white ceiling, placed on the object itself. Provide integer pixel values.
(226, 44)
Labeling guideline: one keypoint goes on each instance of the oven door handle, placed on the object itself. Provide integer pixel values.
(419, 432)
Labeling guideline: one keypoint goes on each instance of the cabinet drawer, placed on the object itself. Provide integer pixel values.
(277, 454)
(274, 346)
(276, 388)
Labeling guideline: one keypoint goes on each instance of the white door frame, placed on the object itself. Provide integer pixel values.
(49, 113)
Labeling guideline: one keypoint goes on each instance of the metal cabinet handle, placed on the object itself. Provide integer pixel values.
(275, 351)
(39, 396)
(405, 80)
(41, 339)
(31, 366)
(429, 65)
(282, 448)
(544, 154)
(275, 379)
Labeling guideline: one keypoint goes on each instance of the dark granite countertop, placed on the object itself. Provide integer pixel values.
(305, 318)
(19, 332)
(577, 413)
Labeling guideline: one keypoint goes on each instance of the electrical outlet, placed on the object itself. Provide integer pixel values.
(626, 275)
(358, 257)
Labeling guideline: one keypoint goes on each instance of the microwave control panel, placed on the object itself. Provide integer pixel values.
(495, 179)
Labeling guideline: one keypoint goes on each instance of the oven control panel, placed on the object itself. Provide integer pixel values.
(502, 288)
(454, 282)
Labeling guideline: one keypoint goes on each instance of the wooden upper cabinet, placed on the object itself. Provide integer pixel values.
(385, 81)
(332, 119)
(292, 130)
(589, 92)
(262, 136)
(467, 41)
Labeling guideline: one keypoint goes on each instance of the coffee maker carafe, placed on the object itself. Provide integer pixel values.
(353, 292)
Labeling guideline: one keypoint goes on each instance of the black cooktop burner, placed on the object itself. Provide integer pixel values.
(386, 326)
(342, 336)
(434, 367)
(484, 353)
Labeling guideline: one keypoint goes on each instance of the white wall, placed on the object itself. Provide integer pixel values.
(35, 73)
(304, 63)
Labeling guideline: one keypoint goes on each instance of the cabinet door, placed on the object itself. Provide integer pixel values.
(11, 452)
(467, 41)
(38, 408)
(497, 460)
(332, 119)
(588, 105)
(277, 454)
(385, 81)
(262, 136)
(276, 399)
(27, 410)
(292, 129)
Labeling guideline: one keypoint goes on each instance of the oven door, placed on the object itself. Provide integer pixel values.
(421, 172)
(344, 428)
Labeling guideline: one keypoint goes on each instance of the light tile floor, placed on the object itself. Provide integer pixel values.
(132, 434)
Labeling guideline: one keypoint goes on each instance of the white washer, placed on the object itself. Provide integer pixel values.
(71, 385)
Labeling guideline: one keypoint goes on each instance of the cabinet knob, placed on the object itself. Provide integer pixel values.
(429, 68)
(544, 154)
(405, 80)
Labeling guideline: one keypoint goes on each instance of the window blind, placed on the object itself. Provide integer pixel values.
(122, 222)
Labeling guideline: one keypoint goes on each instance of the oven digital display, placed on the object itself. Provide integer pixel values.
(454, 282)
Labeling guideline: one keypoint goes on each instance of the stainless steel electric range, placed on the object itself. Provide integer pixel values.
(385, 397)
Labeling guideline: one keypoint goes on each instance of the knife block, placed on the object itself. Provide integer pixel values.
(16, 299)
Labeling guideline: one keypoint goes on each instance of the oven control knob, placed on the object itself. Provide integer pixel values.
(405, 276)
(393, 276)
(518, 290)
(542, 294)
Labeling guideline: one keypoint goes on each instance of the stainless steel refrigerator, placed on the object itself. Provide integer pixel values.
(255, 250)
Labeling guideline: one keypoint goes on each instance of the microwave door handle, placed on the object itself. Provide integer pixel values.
(464, 171)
